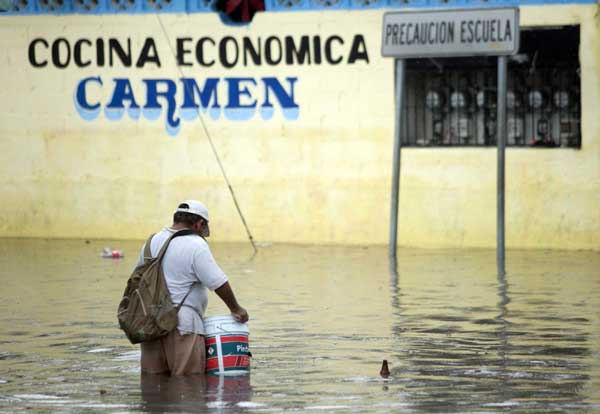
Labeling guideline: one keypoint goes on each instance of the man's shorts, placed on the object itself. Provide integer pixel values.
(174, 354)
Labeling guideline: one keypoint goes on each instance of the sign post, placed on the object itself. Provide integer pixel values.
(399, 91)
(501, 142)
(451, 33)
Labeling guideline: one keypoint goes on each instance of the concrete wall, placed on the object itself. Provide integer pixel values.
(323, 178)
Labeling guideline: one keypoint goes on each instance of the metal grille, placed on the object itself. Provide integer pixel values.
(51, 5)
(14, 5)
(452, 102)
(158, 4)
(122, 5)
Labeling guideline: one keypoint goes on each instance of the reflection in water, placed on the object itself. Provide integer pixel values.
(394, 286)
(194, 393)
(450, 353)
(458, 338)
(503, 302)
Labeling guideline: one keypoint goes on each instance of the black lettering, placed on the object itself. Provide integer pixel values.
(32, 57)
(401, 34)
(317, 49)
(124, 56)
(182, 51)
(269, 50)
(250, 49)
(471, 31)
(431, 36)
(440, 36)
(148, 54)
(423, 33)
(508, 32)
(223, 52)
(415, 37)
(499, 32)
(77, 53)
(200, 51)
(300, 54)
(358, 50)
(56, 53)
(328, 54)
(100, 52)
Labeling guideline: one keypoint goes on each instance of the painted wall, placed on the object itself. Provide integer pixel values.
(322, 178)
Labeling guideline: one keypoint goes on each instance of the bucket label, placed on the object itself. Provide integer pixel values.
(234, 353)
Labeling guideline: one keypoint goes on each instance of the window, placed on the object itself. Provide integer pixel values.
(452, 101)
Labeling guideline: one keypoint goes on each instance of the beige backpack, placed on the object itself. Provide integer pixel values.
(146, 311)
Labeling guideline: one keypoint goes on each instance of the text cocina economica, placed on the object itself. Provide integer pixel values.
(205, 51)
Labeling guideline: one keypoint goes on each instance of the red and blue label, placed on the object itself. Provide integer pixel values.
(234, 351)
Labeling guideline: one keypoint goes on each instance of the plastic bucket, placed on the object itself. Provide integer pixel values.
(227, 351)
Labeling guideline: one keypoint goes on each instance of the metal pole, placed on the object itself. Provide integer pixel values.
(212, 145)
(501, 137)
(399, 89)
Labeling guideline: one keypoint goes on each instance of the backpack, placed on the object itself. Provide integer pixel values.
(146, 311)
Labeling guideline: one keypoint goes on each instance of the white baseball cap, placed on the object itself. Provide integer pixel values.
(197, 208)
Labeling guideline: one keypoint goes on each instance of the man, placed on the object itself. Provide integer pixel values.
(189, 269)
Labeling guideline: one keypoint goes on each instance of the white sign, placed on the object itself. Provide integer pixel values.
(446, 33)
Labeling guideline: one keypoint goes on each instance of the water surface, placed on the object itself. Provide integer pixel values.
(458, 338)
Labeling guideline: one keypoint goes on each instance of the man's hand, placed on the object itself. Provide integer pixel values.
(226, 294)
(240, 315)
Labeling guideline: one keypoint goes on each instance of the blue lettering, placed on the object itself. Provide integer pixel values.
(153, 109)
(85, 110)
(242, 101)
(122, 92)
(189, 109)
(289, 107)
(235, 110)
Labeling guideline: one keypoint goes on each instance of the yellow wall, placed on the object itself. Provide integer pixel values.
(324, 178)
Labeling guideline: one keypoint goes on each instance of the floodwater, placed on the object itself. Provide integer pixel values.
(458, 338)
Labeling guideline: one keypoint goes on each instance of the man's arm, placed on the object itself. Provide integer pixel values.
(226, 294)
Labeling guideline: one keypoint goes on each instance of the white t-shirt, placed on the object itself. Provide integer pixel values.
(187, 260)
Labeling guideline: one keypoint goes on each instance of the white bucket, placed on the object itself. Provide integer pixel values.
(227, 351)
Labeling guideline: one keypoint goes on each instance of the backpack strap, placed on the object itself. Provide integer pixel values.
(185, 297)
(147, 252)
(184, 232)
(162, 251)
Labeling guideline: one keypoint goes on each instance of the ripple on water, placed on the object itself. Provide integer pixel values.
(217, 404)
(128, 356)
(5, 355)
(365, 379)
(42, 399)
(249, 404)
(328, 407)
(99, 350)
